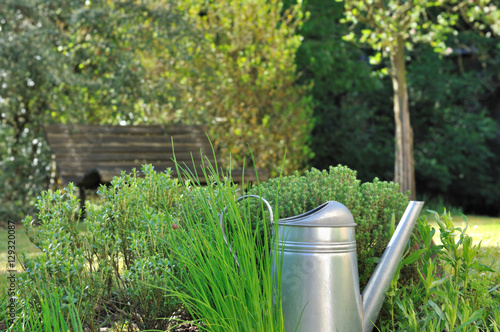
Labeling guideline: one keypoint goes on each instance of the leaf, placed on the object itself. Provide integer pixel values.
(414, 256)
(348, 37)
(392, 225)
(438, 282)
(480, 267)
(437, 310)
(426, 321)
(477, 314)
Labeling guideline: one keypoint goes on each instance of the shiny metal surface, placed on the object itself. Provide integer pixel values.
(320, 284)
(320, 288)
(374, 293)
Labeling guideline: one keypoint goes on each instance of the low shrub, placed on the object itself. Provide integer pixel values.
(61, 263)
(112, 261)
(374, 206)
(452, 293)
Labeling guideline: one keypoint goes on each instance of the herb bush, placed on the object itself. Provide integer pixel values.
(453, 292)
(113, 263)
(374, 206)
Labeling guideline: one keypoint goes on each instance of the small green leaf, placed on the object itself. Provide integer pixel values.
(392, 225)
(438, 282)
(414, 256)
(437, 310)
(477, 314)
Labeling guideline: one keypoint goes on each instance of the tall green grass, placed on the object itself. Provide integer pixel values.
(43, 314)
(234, 286)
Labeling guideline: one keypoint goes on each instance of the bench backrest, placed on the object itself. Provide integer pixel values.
(109, 150)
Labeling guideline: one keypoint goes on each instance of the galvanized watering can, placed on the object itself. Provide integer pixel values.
(320, 283)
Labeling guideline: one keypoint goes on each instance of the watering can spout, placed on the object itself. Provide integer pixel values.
(374, 292)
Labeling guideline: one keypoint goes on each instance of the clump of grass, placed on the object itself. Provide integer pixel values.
(231, 286)
(45, 313)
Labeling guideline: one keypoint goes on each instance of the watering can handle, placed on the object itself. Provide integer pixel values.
(239, 199)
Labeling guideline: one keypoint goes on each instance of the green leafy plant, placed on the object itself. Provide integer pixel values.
(112, 262)
(452, 293)
(61, 263)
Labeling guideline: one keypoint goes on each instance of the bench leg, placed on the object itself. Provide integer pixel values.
(82, 203)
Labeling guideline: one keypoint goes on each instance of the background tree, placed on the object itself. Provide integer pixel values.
(453, 114)
(244, 76)
(351, 126)
(30, 68)
(390, 27)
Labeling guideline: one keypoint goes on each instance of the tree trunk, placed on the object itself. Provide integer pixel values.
(404, 172)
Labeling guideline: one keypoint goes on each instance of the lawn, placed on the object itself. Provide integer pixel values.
(22, 244)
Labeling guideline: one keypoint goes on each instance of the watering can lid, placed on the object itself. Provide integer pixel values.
(329, 214)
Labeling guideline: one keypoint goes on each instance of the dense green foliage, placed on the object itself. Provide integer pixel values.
(29, 69)
(244, 74)
(457, 135)
(391, 28)
(227, 283)
(372, 204)
(154, 246)
(134, 256)
(67, 61)
(353, 118)
(169, 61)
(115, 261)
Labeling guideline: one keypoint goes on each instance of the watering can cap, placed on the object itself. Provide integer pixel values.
(329, 214)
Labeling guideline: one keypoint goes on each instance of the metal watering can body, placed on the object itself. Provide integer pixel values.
(319, 278)
(319, 281)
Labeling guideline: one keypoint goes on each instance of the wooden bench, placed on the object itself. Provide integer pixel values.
(90, 155)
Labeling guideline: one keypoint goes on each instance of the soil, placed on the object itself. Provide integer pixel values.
(185, 327)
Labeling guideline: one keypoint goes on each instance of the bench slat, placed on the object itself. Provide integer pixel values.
(83, 166)
(129, 130)
(130, 155)
(159, 146)
(100, 138)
